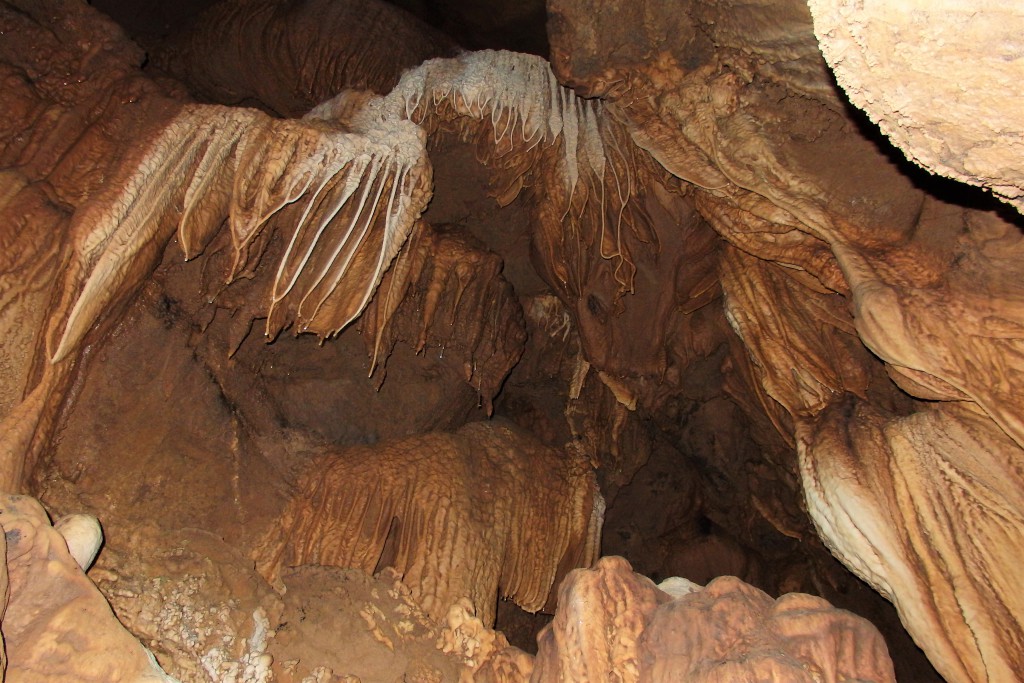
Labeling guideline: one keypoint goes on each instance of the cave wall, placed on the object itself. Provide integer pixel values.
(847, 281)
(848, 321)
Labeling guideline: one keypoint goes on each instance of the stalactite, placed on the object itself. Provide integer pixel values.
(241, 164)
(474, 514)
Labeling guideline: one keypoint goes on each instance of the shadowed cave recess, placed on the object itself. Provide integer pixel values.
(374, 335)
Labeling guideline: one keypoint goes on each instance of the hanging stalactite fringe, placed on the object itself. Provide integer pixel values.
(357, 195)
(352, 178)
(518, 96)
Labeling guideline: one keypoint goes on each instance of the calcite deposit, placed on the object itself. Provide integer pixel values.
(696, 251)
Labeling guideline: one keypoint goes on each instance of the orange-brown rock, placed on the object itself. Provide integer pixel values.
(118, 211)
(482, 513)
(731, 631)
(285, 55)
(601, 616)
(73, 94)
(447, 292)
(57, 626)
(612, 624)
(854, 279)
(927, 507)
(344, 625)
(750, 270)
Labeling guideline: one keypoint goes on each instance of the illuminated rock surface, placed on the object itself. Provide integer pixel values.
(676, 252)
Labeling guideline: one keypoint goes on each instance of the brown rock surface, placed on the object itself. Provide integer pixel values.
(56, 625)
(732, 268)
(342, 622)
(483, 513)
(940, 80)
(68, 106)
(731, 631)
(602, 614)
(612, 624)
(290, 56)
(927, 508)
(869, 261)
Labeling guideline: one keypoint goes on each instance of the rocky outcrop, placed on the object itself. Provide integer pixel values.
(847, 282)
(483, 513)
(609, 622)
(291, 56)
(446, 291)
(344, 625)
(866, 319)
(74, 94)
(612, 624)
(940, 80)
(112, 214)
(56, 625)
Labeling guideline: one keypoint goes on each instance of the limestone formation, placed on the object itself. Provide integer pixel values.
(613, 624)
(84, 537)
(445, 291)
(56, 625)
(602, 614)
(213, 162)
(731, 631)
(285, 55)
(344, 625)
(747, 274)
(940, 80)
(828, 267)
(483, 513)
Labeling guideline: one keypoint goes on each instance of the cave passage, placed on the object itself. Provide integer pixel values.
(366, 337)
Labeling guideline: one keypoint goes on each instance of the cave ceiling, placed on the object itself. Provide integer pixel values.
(740, 280)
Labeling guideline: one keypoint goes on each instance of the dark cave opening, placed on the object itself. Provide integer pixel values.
(519, 27)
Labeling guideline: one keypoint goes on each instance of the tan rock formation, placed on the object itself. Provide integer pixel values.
(340, 623)
(446, 291)
(602, 614)
(483, 513)
(939, 78)
(613, 624)
(56, 625)
(730, 631)
(285, 55)
(867, 320)
(927, 508)
(829, 264)
(211, 161)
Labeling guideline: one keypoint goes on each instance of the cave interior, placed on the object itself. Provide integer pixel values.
(688, 343)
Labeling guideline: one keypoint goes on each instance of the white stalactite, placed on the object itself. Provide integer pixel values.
(357, 159)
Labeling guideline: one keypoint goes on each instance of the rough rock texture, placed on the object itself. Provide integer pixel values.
(483, 513)
(602, 613)
(342, 622)
(839, 250)
(939, 78)
(447, 291)
(176, 566)
(195, 601)
(730, 631)
(56, 625)
(736, 266)
(198, 165)
(66, 114)
(928, 508)
(332, 622)
(613, 624)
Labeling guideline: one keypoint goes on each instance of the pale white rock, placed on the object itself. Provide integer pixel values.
(84, 537)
